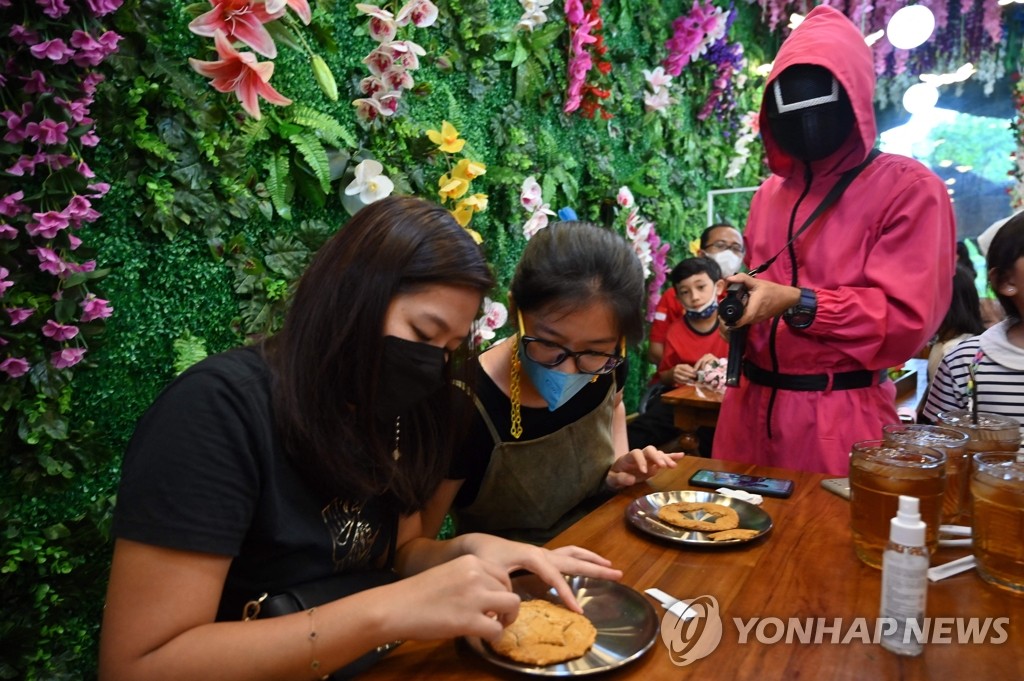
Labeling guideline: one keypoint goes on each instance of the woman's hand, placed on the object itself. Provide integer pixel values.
(466, 596)
(548, 565)
(637, 465)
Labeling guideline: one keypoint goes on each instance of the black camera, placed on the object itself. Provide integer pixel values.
(733, 304)
(730, 310)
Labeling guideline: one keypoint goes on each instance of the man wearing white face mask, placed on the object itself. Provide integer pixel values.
(721, 242)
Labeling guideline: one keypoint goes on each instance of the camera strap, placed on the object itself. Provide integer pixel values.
(833, 195)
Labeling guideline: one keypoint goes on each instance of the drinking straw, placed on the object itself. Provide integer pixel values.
(972, 387)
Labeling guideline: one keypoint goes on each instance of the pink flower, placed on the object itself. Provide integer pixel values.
(398, 79)
(11, 204)
(103, 7)
(657, 101)
(48, 131)
(383, 28)
(79, 210)
(379, 61)
(95, 308)
(66, 358)
(625, 198)
(657, 79)
(371, 85)
(574, 11)
(59, 332)
(55, 50)
(98, 189)
(36, 82)
(5, 283)
(19, 314)
(49, 261)
(368, 109)
(16, 123)
(54, 9)
(407, 53)
(14, 366)
(531, 195)
(47, 224)
(90, 82)
(300, 7)
(422, 13)
(26, 165)
(89, 139)
(23, 35)
(242, 74)
(7, 231)
(73, 242)
(537, 222)
(238, 20)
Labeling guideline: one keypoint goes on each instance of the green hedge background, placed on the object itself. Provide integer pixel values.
(201, 258)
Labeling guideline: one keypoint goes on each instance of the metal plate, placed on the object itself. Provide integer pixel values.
(643, 515)
(626, 623)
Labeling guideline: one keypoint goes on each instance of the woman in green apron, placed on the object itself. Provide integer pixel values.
(548, 440)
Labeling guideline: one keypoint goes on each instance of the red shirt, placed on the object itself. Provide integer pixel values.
(668, 310)
(686, 345)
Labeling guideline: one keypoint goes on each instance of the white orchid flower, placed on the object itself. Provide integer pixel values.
(370, 182)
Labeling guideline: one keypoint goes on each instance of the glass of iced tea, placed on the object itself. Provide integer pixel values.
(880, 472)
(988, 432)
(953, 443)
(997, 488)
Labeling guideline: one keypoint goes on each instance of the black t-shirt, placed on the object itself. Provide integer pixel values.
(474, 455)
(205, 472)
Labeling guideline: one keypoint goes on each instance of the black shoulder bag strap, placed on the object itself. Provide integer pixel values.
(833, 195)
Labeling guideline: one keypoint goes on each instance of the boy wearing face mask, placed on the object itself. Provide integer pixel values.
(721, 242)
(690, 342)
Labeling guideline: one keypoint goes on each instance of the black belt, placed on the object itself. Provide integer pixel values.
(843, 380)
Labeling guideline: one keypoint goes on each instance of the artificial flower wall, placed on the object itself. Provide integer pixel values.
(229, 139)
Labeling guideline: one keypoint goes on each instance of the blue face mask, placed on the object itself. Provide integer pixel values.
(703, 313)
(556, 387)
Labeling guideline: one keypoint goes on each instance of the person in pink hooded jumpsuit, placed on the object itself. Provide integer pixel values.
(861, 290)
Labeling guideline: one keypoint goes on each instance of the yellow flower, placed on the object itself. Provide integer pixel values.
(475, 234)
(452, 186)
(462, 213)
(448, 139)
(468, 170)
(478, 202)
(694, 246)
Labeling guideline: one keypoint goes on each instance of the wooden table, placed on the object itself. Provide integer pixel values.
(804, 568)
(694, 406)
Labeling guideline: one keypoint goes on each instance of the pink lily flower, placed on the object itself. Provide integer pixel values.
(239, 20)
(239, 72)
(301, 7)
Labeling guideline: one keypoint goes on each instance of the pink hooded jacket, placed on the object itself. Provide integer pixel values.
(880, 260)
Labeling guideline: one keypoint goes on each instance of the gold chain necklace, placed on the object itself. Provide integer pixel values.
(513, 392)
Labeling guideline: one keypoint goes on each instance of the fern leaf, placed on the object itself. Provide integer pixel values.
(279, 184)
(326, 127)
(313, 152)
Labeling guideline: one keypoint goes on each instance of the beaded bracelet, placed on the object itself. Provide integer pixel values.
(314, 663)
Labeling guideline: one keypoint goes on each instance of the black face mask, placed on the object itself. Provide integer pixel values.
(809, 112)
(410, 373)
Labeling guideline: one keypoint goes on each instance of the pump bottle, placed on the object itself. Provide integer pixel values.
(905, 581)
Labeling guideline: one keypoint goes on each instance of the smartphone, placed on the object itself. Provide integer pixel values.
(840, 486)
(769, 487)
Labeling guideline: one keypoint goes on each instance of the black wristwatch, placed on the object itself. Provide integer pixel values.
(802, 314)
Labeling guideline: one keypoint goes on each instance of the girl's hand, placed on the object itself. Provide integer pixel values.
(639, 464)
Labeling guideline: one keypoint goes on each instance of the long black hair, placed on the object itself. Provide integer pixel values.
(327, 358)
(964, 314)
(570, 265)
(1006, 248)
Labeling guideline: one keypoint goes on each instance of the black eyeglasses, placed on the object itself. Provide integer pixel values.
(738, 249)
(549, 354)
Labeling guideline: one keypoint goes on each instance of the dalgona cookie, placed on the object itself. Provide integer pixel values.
(700, 516)
(545, 633)
(728, 535)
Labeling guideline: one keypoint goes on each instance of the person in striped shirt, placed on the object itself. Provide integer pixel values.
(996, 357)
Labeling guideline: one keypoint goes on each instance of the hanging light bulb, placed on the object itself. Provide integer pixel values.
(910, 27)
(920, 98)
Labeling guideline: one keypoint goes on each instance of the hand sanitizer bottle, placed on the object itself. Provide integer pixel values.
(904, 581)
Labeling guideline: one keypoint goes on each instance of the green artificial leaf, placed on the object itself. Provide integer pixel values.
(282, 34)
(188, 350)
(313, 153)
(328, 128)
(286, 256)
(279, 184)
(55, 532)
(542, 39)
(521, 54)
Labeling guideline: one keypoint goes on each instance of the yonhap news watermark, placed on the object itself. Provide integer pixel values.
(693, 630)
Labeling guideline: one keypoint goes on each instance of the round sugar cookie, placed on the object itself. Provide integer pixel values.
(700, 516)
(545, 633)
